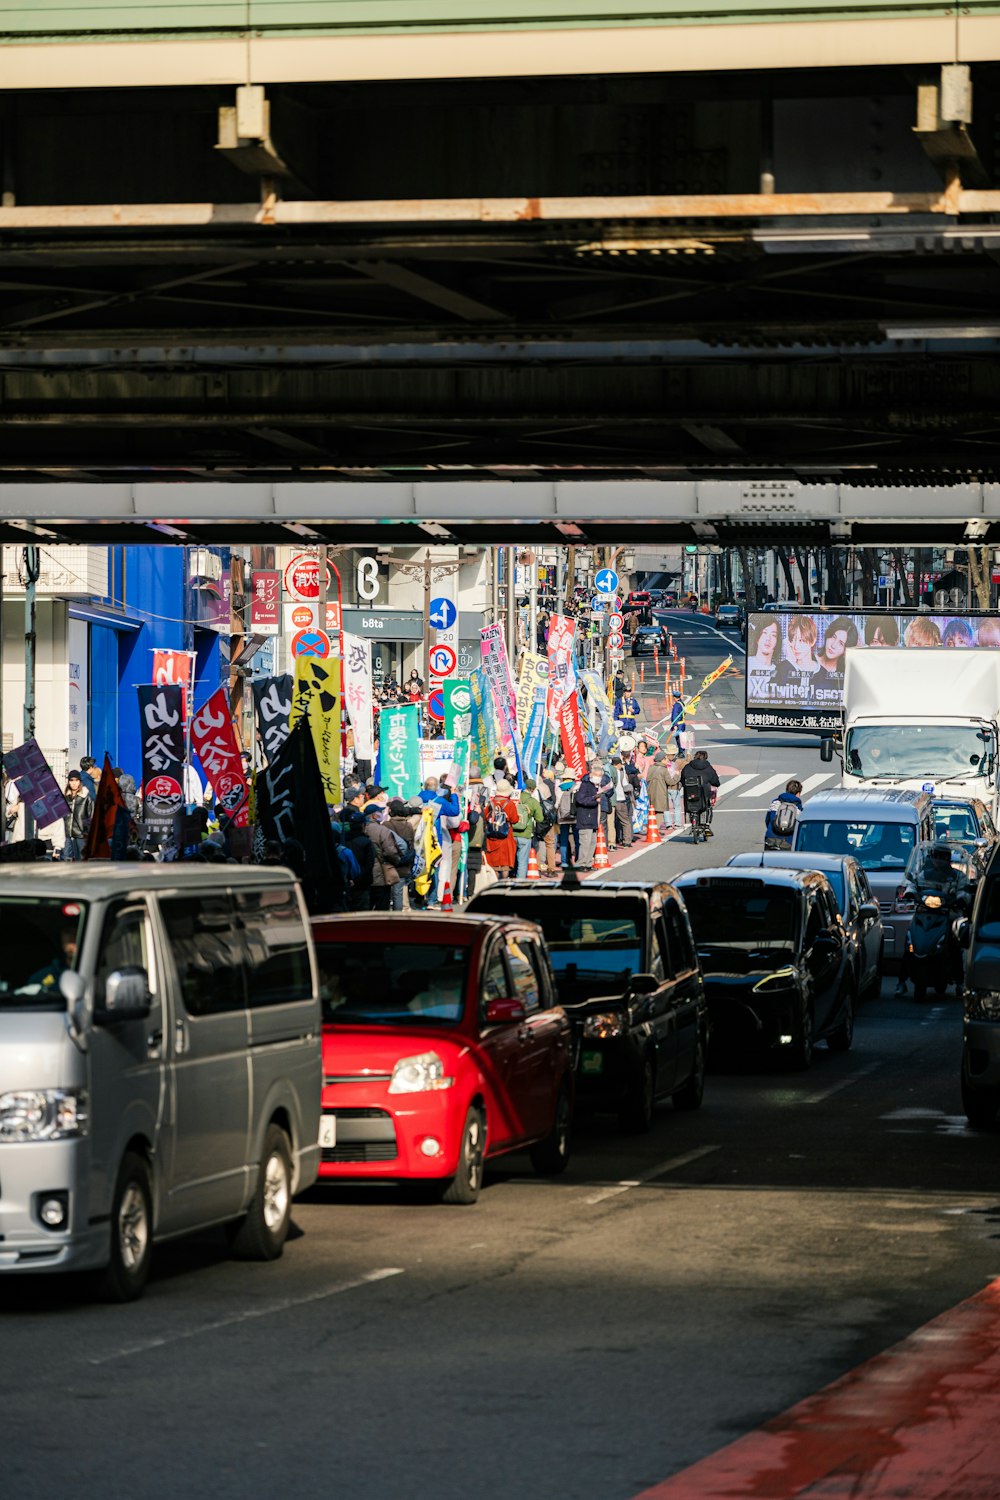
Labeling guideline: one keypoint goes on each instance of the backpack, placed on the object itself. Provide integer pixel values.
(785, 816)
(403, 850)
(497, 824)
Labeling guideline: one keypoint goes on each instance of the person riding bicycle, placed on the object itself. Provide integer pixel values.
(698, 779)
(782, 817)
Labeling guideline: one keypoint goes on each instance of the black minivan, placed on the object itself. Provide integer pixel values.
(628, 978)
(775, 958)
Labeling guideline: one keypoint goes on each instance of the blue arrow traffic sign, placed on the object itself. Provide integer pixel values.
(606, 581)
(442, 614)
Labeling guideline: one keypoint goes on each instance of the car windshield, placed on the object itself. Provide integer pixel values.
(41, 940)
(955, 823)
(875, 846)
(392, 984)
(747, 917)
(914, 751)
(587, 940)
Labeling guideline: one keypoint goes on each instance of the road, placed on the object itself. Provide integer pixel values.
(583, 1339)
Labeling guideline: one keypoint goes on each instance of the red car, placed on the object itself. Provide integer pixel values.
(444, 1045)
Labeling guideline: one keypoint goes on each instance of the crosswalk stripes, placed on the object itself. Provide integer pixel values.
(732, 782)
(752, 784)
(770, 785)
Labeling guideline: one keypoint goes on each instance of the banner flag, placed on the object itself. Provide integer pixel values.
(485, 733)
(571, 734)
(599, 711)
(534, 674)
(358, 693)
(162, 731)
(534, 736)
(562, 667)
(640, 813)
(317, 699)
(496, 665)
(214, 741)
(399, 749)
(107, 836)
(173, 669)
(457, 693)
(292, 805)
(272, 698)
(690, 703)
(37, 788)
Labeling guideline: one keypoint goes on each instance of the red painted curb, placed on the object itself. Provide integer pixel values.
(919, 1422)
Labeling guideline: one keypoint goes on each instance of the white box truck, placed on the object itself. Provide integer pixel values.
(922, 719)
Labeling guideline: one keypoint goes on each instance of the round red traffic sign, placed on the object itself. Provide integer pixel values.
(302, 577)
(311, 643)
(615, 640)
(615, 622)
(442, 661)
(435, 706)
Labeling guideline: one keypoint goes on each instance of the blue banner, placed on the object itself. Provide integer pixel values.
(640, 813)
(534, 736)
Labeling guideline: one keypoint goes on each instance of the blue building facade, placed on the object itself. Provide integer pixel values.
(154, 603)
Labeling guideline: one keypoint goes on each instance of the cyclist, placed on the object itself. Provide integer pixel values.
(699, 778)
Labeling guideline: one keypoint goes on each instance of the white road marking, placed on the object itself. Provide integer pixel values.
(845, 1083)
(244, 1316)
(812, 782)
(770, 785)
(654, 1172)
(735, 781)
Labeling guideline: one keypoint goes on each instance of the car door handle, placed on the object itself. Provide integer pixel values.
(180, 1038)
(523, 1033)
(154, 1042)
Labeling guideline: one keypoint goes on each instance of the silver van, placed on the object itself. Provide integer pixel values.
(880, 829)
(160, 1063)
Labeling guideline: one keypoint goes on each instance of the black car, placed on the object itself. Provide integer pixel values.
(965, 822)
(775, 959)
(647, 639)
(628, 977)
(980, 1074)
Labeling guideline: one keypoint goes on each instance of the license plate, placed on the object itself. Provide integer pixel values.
(328, 1131)
(592, 1062)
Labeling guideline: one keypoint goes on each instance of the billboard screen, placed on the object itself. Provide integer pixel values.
(795, 659)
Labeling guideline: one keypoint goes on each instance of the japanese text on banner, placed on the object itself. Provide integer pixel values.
(317, 699)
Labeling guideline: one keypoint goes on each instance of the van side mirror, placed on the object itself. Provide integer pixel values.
(963, 933)
(868, 911)
(826, 751)
(126, 997)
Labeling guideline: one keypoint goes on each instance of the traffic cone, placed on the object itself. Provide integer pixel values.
(534, 873)
(446, 902)
(642, 671)
(601, 859)
(652, 828)
(656, 661)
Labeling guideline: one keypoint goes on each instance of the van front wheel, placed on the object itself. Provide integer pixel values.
(131, 1233)
(261, 1233)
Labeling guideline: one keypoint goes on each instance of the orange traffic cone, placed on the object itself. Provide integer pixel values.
(601, 859)
(642, 672)
(652, 829)
(446, 902)
(534, 873)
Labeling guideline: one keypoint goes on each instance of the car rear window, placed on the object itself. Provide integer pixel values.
(586, 939)
(392, 984)
(875, 846)
(742, 914)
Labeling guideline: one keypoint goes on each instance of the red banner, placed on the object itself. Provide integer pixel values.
(562, 668)
(214, 741)
(265, 602)
(173, 669)
(571, 734)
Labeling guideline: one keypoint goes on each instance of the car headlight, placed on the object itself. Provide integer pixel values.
(778, 979)
(44, 1114)
(419, 1075)
(604, 1024)
(982, 1005)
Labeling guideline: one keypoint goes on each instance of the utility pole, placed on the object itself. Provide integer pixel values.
(511, 607)
(32, 568)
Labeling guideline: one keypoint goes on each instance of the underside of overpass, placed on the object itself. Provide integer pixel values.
(768, 279)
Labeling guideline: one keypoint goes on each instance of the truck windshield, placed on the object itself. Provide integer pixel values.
(41, 939)
(934, 752)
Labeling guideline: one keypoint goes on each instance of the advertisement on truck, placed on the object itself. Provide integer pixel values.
(795, 659)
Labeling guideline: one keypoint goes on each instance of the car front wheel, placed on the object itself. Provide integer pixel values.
(467, 1182)
(982, 1106)
(551, 1156)
(841, 1039)
(691, 1093)
(261, 1233)
(800, 1056)
(131, 1233)
(636, 1114)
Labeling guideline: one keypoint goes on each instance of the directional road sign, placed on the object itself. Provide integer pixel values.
(311, 643)
(435, 705)
(442, 661)
(606, 581)
(442, 614)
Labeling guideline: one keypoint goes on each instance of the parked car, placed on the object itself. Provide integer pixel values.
(775, 959)
(647, 639)
(160, 1066)
(728, 616)
(856, 904)
(966, 821)
(880, 829)
(444, 1046)
(980, 1068)
(628, 977)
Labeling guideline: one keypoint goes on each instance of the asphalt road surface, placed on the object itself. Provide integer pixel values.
(583, 1339)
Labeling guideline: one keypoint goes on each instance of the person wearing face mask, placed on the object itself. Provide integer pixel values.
(566, 813)
(588, 810)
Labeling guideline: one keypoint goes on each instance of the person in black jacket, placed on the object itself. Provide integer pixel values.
(698, 778)
(588, 810)
(360, 844)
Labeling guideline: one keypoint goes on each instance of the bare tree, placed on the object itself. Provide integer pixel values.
(869, 577)
(979, 570)
(899, 558)
(749, 579)
(786, 568)
(803, 559)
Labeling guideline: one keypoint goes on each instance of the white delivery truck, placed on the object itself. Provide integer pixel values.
(921, 719)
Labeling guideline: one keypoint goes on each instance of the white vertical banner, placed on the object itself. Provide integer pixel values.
(358, 693)
(78, 666)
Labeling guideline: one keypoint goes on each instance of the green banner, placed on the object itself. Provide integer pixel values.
(457, 694)
(399, 749)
